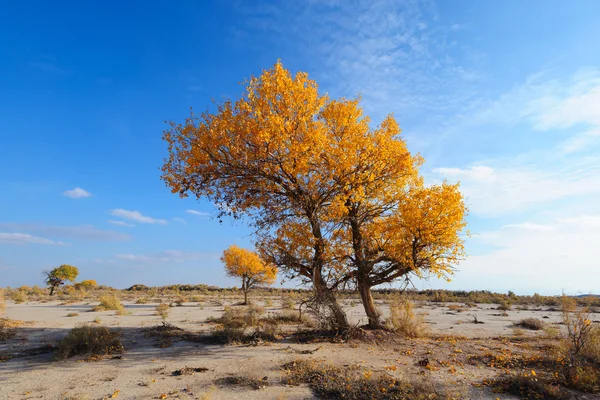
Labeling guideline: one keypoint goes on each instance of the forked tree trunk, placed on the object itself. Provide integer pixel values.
(52, 290)
(373, 314)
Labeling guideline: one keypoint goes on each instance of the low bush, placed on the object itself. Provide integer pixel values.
(354, 383)
(163, 310)
(404, 320)
(529, 386)
(2, 302)
(109, 302)
(19, 297)
(142, 300)
(72, 314)
(533, 324)
(89, 340)
(504, 306)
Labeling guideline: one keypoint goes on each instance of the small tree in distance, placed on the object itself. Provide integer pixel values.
(59, 275)
(245, 264)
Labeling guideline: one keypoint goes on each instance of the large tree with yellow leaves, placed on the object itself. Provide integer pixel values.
(333, 200)
(245, 264)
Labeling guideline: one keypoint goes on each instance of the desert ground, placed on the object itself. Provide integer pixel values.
(455, 351)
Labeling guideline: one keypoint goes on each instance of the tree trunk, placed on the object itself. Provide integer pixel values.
(373, 314)
(326, 297)
(245, 289)
(52, 290)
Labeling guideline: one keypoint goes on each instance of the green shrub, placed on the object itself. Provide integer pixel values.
(89, 340)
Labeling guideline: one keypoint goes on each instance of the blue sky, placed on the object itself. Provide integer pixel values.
(501, 95)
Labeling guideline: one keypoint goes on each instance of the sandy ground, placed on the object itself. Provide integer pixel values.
(145, 371)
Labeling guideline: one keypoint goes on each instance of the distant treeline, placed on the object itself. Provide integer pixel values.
(430, 295)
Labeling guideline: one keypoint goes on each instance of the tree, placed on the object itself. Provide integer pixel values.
(420, 236)
(264, 156)
(245, 264)
(334, 201)
(59, 275)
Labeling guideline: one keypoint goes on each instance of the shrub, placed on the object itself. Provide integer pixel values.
(353, 383)
(89, 340)
(72, 314)
(163, 310)
(504, 306)
(2, 302)
(109, 302)
(404, 320)
(533, 324)
(268, 302)
(141, 300)
(287, 303)
(528, 386)
(19, 296)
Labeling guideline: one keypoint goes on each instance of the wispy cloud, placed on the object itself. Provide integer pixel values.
(120, 223)
(76, 193)
(136, 216)
(24, 238)
(81, 232)
(495, 191)
(199, 213)
(180, 220)
(389, 51)
(165, 256)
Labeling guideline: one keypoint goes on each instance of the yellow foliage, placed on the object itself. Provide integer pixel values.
(245, 264)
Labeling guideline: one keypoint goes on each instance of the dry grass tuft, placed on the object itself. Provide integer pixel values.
(109, 302)
(533, 324)
(89, 340)
(403, 319)
(2, 302)
(247, 381)
(72, 314)
(163, 310)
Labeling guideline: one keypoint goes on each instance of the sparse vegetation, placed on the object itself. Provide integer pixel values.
(72, 314)
(19, 296)
(356, 383)
(533, 324)
(162, 310)
(404, 320)
(89, 340)
(109, 302)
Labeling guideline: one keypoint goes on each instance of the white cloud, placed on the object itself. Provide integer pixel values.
(558, 255)
(120, 223)
(24, 238)
(77, 193)
(136, 216)
(165, 256)
(180, 220)
(199, 213)
(494, 191)
(81, 232)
